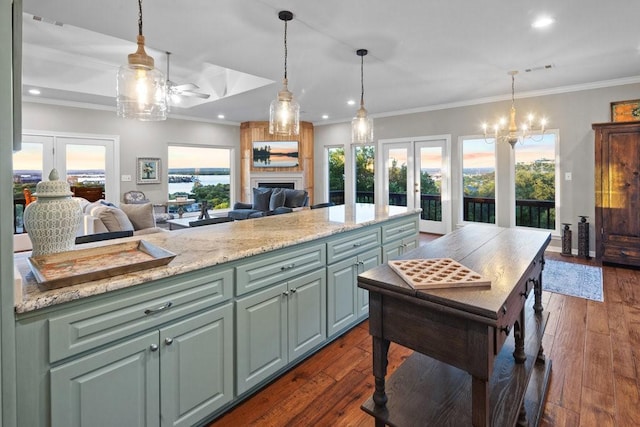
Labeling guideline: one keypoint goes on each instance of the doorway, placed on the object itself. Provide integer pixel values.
(417, 175)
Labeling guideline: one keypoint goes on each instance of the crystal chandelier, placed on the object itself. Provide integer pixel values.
(510, 133)
(141, 89)
(361, 125)
(284, 112)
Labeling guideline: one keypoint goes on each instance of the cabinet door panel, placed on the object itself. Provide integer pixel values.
(307, 313)
(366, 262)
(118, 386)
(261, 335)
(197, 366)
(341, 295)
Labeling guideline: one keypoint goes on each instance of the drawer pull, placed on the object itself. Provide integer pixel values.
(167, 305)
(168, 340)
(287, 267)
(153, 347)
(357, 245)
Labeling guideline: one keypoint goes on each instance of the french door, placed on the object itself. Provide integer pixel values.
(417, 175)
(79, 159)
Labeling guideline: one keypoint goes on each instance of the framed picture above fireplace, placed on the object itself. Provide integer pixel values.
(275, 154)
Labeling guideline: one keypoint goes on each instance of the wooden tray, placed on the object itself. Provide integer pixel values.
(434, 273)
(84, 265)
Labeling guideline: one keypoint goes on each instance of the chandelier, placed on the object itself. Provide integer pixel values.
(361, 125)
(284, 111)
(141, 89)
(508, 131)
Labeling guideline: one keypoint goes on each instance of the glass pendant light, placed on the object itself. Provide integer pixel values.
(141, 91)
(362, 125)
(284, 112)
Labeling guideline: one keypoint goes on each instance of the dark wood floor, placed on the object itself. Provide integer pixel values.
(595, 349)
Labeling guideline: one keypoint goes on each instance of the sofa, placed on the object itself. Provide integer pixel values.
(105, 217)
(270, 201)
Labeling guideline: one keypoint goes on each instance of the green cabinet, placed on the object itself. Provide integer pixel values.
(399, 237)
(346, 303)
(278, 324)
(397, 248)
(175, 376)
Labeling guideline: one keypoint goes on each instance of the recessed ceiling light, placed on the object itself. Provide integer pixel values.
(542, 22)
(34, 91)
(221, 116)
(325, 116)
(351, 102)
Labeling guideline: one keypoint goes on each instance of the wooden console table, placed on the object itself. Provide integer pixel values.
(457, 332)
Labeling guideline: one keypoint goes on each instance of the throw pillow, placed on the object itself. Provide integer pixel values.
(277, 198)
(140, 215)
(114, 219)
(295, 198)
(261, 198)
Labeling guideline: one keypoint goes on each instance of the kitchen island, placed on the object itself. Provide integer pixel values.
(178, 344)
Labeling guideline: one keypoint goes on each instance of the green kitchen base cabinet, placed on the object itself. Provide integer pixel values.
(346, 303)
(174, 376)
(396, 249)
(278, 324)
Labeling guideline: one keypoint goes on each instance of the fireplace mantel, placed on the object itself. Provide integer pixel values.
(301, 175)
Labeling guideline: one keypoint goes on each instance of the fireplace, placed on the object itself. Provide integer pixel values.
(290, 185)
(282, 180)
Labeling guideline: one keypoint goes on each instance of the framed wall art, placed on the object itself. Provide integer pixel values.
(148, 170)
(625, 111)
(275, 154)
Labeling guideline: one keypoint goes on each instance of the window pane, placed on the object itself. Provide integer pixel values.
(479, 181)
(365, 162)
(397, 176)
(201, 173)
(86, 165)
(336, 175)
(27, 172)
(535, 182)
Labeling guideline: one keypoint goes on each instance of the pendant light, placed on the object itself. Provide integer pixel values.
(284, 112)
(141, 90)
(362, 125)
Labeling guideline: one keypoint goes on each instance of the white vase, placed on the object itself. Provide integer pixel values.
(52, 220)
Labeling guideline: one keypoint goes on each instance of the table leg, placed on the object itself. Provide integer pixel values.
(537, 291)
(380, 351)
(518, 334)
(479, 402)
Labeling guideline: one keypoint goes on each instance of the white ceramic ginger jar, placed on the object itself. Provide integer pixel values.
(53, 219)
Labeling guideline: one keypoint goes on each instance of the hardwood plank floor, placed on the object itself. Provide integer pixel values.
(595, 349)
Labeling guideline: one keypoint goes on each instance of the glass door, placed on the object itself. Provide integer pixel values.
(416, 175)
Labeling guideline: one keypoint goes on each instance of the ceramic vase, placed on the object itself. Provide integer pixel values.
(52, 220)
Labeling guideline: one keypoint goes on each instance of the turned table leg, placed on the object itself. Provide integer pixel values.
(380, 351)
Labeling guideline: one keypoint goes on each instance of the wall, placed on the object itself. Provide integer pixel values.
(572, 113)
(137, 139)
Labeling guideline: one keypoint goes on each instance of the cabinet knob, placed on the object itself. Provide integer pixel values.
(168, 340)
(293, 291)
(285, 293)
(153, 347)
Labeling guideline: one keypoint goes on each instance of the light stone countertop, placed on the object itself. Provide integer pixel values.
(206, 246)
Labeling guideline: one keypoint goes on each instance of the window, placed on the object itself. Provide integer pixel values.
(535, 182)
(364, 172)
(201, 173)
(335, 174)
(478, 181)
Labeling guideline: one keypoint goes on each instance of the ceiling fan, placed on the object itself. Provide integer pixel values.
(187, 89)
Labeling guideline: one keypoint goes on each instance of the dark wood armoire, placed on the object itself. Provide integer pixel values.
(617, 169)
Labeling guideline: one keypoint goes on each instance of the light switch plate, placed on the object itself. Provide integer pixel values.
(125, 178)
(567, 176)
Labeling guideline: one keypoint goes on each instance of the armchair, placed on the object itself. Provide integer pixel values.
(160, 211)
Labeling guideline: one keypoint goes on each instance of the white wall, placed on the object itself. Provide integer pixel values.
(571, 113)
(137, 139)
